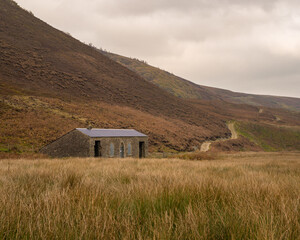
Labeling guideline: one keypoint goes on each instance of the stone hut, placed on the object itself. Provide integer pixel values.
(94, 142)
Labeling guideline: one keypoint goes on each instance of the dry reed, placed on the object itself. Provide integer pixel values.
(239, 197)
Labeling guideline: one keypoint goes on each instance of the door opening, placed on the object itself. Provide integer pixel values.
(97, 149)
(141, 149)
(122, 154)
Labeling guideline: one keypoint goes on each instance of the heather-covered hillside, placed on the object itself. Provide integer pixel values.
(51, 83)
(40, 64)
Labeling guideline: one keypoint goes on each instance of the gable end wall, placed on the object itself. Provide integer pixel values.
(73, 144)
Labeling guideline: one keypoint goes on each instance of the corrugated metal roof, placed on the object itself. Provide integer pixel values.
(97, 132)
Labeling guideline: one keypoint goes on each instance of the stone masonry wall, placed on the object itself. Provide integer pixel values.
(105, 146)
(73, 144)
(76, 144)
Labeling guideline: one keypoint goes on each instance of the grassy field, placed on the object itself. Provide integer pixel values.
(241, 196)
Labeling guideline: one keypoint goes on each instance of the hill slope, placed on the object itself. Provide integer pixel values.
(44, 61)
(186, 89)
(51, 83)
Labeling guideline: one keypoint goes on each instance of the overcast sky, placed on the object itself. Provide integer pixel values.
(249, 46)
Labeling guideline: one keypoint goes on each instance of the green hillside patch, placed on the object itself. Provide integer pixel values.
(165, 80)
(269, 137)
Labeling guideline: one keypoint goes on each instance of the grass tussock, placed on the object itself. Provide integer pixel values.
(195, 156)
(240, 197)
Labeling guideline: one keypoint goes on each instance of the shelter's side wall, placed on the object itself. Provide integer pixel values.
(117, 141)
(73, 144)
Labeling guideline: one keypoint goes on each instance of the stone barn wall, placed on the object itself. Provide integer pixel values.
(73, 144)
(105, 143)
(77, 144)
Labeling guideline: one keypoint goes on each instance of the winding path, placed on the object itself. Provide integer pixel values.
(206, 145)
(234, 134)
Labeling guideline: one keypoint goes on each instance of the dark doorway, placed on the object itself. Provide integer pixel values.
(141, 149)
(97, 149)
(122, 150)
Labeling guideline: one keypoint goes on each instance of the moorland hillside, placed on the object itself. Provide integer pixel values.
(51, 83)
(41, 65)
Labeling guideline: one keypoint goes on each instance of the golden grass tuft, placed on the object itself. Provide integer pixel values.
(195, 156)
(242, 196)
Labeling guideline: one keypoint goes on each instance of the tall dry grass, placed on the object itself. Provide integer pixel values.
(238, 197)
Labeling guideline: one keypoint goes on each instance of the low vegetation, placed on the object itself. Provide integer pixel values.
(19, 134)
(239, 197)
(195, 156)
(271, 137)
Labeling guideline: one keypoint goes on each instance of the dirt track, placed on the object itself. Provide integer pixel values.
(206, 145)
(234, 134)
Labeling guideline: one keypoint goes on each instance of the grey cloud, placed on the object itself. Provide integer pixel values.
(235, 44)
(137, 7)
